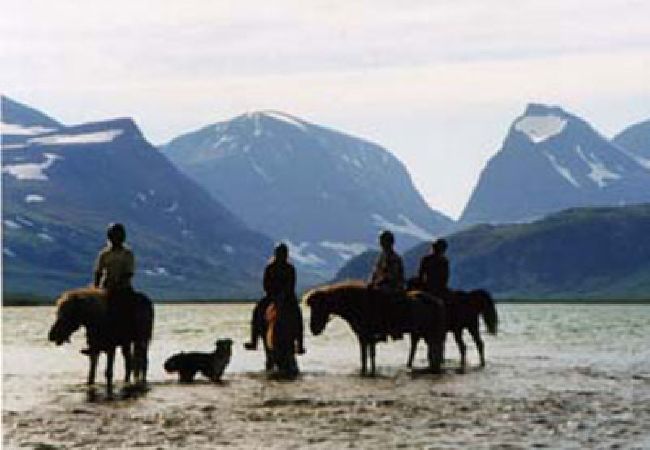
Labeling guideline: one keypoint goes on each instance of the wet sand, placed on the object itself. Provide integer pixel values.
(558, 392)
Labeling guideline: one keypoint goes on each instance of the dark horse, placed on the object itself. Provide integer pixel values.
(354, 302)
(87, 307)
(463, 309)
(278, 333)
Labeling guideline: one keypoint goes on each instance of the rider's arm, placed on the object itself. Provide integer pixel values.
(377, 271)
(422, 273)
(266, 283)
(400, 273)
(99, 267)
(130, 267)
(292, 280)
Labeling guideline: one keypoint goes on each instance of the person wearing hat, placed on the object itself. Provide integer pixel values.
(388, 280)
(114, 269)
(434, 270)
(279, 284)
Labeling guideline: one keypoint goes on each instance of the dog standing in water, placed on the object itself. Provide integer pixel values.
(211, 365)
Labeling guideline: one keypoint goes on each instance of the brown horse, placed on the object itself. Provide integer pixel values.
(463, 309)
(423, 315)
(87, 307)
(279, 340)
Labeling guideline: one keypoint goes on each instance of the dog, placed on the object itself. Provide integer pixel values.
(211, 365)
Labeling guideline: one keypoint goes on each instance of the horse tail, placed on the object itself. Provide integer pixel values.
(145, 316)
(488, 310)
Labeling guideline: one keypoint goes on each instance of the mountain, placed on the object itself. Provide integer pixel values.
(577, 253)
(552, 160)
(326, 193)
(635, 141)
(61, 186)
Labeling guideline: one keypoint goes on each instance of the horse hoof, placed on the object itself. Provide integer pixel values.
(460, 371)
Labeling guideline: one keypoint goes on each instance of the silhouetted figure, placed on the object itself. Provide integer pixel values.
(280, 286)
(434, 270)
(388, 279)
(114, 269)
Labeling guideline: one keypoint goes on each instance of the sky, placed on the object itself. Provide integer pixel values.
(437, 82)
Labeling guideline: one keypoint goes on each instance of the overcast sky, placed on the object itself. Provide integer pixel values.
(436, 82)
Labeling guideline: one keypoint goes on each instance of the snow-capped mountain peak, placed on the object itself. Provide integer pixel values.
(326, 193)
(551, 160)
(540, 128)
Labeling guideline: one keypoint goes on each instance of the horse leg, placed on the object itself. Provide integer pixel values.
(364, 354)
(128, 362)
(140, 362)
(372, 345)
(93, 368)
(415, 338)
(110, 359)
(458, 336)
(479, 343)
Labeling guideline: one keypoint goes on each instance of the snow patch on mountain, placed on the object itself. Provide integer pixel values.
(32, 171)
(12, 146)
(12, 129)
(171, 208)
(8, 252)
(299, 253)
(564, 171)
(345, 250)
(599, 173)
(11, 224)
(34, 198)
(285, 118)
(228, 249)
(407, 227)
(97, 137)
(540, 128)
(23, 221)
(258, 169)
(644, 162)
(46, 237)
(157, 272)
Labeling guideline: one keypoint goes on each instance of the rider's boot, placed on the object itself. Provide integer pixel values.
(252, 344)
(300, 347)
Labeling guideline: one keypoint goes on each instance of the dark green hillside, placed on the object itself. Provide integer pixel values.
(577, 253)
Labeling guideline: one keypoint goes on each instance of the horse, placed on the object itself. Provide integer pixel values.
(354, 302)
(279, 340)
(463, 309)
(87, 307)
(272, 321)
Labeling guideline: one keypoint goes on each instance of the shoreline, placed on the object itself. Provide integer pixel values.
(32, 301)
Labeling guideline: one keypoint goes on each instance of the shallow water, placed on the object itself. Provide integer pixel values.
(592, 360)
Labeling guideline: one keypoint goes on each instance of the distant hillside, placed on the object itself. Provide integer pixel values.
(61, 186)
(577, 253)
(326, 193)
(635, 141)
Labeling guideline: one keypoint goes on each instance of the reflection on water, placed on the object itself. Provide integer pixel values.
(607, 340)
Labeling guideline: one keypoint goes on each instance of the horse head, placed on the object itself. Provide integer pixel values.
(488, 309)
(70, 314)
(317, 300)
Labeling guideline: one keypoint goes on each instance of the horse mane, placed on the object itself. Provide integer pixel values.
(84, 292)
(339, 287)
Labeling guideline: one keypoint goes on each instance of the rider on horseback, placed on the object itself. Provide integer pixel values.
(388, 280)
(434, 271)
(280, 286)
(114, 269)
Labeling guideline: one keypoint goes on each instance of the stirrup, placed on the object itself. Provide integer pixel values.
(250, 345)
